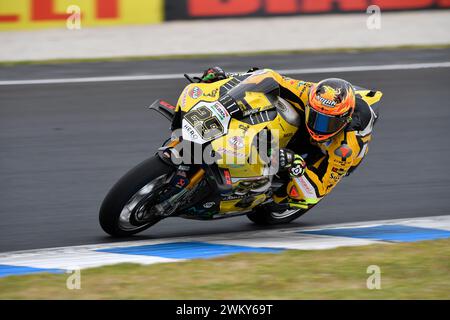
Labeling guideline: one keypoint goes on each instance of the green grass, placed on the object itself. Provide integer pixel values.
(218, 55)
(408, 271)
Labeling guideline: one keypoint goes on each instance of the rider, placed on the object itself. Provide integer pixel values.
(330, 143)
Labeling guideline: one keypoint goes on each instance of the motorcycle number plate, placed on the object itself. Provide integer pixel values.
(206, 121)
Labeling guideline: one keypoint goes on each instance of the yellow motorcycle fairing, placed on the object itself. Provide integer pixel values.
(249, 170)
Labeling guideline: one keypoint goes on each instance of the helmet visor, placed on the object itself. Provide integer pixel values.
(323, 124)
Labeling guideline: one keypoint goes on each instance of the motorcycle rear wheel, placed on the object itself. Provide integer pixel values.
(115, 211)
(263, 216)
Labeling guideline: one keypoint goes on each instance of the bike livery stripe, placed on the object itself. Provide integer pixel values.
(188, 250)
(396, 233)
(57, 260)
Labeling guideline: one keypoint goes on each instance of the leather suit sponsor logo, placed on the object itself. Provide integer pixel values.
(344, 151)
(305, 186)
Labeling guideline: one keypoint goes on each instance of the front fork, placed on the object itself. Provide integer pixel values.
(170, 205)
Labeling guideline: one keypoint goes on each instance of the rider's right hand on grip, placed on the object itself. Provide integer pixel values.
(291, 161)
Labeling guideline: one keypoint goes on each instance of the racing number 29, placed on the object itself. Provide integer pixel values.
(205, 123)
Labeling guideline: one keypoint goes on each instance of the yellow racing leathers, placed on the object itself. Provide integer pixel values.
(327, 162)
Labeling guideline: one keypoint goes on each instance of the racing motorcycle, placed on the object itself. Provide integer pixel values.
(220, 161)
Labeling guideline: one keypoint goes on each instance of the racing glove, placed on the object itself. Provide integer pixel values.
(292, 162)
(213, 74)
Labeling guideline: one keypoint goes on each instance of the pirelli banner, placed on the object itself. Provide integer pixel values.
(35, 14)
(198, 9)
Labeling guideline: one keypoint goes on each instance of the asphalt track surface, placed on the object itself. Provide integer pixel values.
(62, 146)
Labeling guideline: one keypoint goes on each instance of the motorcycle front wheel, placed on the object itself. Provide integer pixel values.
(121, 201)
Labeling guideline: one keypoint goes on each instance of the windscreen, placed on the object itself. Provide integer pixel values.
(258, 91)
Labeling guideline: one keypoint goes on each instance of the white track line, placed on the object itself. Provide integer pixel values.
(412, 66)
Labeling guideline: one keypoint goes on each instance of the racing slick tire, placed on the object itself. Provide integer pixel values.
(263, 216)
(113, 210)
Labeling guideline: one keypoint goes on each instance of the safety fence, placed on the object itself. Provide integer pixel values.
(36, 14)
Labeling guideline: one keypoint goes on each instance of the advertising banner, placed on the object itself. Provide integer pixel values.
(35, 14)
(201, 9)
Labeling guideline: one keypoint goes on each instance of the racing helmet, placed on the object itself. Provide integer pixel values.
(330, 107)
